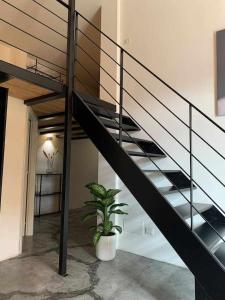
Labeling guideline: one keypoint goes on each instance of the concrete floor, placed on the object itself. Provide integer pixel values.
(33, 275)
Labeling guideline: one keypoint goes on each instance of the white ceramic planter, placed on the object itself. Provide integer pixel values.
(106, 248)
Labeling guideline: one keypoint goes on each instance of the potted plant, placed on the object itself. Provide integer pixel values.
(103, 206)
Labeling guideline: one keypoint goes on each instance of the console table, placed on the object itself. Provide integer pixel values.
(41, 190)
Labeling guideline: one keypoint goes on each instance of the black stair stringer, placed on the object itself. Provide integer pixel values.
(205, 267)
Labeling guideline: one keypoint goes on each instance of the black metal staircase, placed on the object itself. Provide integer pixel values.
(196, 227)
(201, 248)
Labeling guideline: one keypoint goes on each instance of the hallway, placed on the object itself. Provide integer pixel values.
(33, 275)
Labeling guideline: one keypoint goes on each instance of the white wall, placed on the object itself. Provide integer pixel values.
(84, 169)
(13, 194)
(176, 39)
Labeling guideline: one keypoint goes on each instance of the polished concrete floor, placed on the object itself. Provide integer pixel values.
(33, 275)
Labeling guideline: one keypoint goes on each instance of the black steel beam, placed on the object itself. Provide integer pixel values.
(3, 115)
(67, 139)
(59, 130)
(44, 98)
(28, 76)
(203, 264)
(4, 77)
(51, 116)
(55, 125)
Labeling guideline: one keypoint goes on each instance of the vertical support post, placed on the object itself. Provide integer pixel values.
(67, 140)
(36, 66)
(191, 165)
(121, 96)
(75, 45)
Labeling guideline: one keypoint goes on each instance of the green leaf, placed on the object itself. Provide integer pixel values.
(108, 226)
(112, 193)
(118, 228)
(97, 190)
(118, 205)
(95, 227)
(91, 228)
(95, 204)
(96, 237)
(118, 212)
(108, 202)
(89, 216)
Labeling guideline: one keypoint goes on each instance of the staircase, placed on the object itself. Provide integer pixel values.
(201, 245)
(202, 248)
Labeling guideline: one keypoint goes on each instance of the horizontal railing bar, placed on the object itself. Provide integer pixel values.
(132, 117)
(207, 143)
(95, 27)
(208, 170)
(149, 115)
(156, 98)
(84, 85)
(98, 64)
(147, 154)
(153, 139)
(156, 120)
(43, 73)
(63, 74)
(31, 54)
(173, 136)
(150, 94)
(63, 3)
(34, 37)
(26, 14)
(50, 11)
(151, 72)
(178, 189)
(159, 124)
(87, 37)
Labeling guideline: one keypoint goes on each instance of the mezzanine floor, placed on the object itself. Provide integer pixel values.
(33, 275)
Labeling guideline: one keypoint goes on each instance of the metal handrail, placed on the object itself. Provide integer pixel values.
(50, 11)
(34, 37)
(21, 49)
(26, 14)
(134, 99)
(194, 181)
(217, 152)
(161, 171)
(151, 72)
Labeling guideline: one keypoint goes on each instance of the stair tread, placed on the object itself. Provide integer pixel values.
(214, 217)
(97, 102)
(114, 125)
(184, 209)
(172, 189)
(131, 140)
(208, 235)
(146, 146)
(177, 178)
(142, 154)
